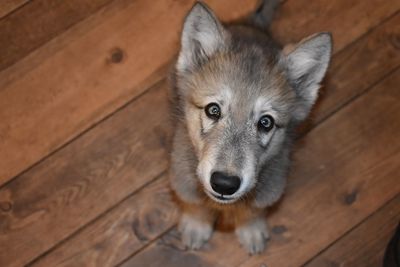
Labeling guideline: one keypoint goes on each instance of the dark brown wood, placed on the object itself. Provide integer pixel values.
(124, 230)
(344, 171)
(38, 22)
(345, 19)
(8, 6)
(74, 74)
(358, 67)
(365, 245)
(84, 179)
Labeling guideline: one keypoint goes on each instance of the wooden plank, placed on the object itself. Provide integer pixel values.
(121, 232)
(38, 22)
(8, 6)
(365, 245)
(297, 18)
(346, 170)
(83, 180)
(352, 72)
(90, 74)
(96, 154)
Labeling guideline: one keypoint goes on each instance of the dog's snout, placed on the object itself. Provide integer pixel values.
(224, 184)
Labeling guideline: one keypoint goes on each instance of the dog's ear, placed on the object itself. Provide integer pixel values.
(202, 36)
(306, 65)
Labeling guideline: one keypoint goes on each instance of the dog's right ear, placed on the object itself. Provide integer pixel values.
(202, 36)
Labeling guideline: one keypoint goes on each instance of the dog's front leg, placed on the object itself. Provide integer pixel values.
(196, 225)
(252, 230)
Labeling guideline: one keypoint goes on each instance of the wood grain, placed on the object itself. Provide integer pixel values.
(76, 165)
(38, 22)
(7, 6)
(90, 74)
(83, 180)
(346, 170)
(345, 19)
(124, 230)
(365, 245)
(357, 68)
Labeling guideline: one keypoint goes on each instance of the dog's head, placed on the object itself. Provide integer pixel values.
(240, 94)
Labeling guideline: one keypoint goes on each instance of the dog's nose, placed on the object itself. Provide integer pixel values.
(224, 184)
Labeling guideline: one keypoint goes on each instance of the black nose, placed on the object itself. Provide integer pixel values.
(224, 184)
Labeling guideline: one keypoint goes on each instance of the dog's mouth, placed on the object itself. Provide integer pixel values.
(221, 198)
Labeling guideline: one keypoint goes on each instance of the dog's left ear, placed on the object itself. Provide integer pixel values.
(202, 36)
(306, 65)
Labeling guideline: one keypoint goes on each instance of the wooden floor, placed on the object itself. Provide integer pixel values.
(84, 134)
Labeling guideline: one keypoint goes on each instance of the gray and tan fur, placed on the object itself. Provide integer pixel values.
(226, 161)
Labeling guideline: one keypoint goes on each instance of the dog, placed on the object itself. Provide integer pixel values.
(237, 98)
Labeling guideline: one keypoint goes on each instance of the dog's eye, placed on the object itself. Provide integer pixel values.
(266, 123)
(213, 111)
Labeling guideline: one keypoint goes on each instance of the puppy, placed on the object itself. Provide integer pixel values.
(237, 97)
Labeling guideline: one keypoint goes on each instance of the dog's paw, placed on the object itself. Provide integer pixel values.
(195, 233)
(253, 236)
